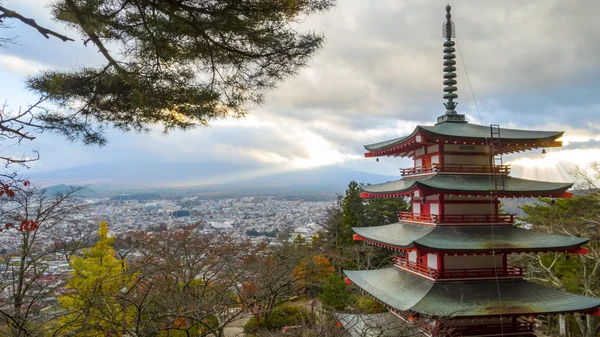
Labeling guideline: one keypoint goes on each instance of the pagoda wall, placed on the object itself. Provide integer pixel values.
(469, 205)
(473, 261)
(466, 154)
(427, 156)
(429, 205)
(466, 208)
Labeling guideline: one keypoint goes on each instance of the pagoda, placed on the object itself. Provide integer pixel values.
(451, 249)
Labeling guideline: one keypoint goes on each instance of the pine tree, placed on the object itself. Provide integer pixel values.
(353, 213)
(335, 293)
(176, 63)
(94, 302)
(384, 211)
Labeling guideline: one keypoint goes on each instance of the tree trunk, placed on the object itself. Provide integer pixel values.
(562, 326)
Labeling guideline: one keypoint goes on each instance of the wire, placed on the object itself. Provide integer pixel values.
(469, 80)
(492, 199)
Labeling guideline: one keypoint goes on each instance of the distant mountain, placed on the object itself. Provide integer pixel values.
(327, 178)
(213, 175)
(62, 188)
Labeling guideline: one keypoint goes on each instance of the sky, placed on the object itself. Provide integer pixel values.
(531, 65)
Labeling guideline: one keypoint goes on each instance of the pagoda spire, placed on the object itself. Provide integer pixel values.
(449, 72)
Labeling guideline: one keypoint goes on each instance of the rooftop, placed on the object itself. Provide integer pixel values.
(404, 291)
(465, 238)
(466, 184)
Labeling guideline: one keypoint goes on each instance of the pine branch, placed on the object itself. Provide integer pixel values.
(7, 13)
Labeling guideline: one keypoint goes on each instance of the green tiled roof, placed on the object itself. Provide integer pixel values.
(468, 131)
(467, 183)
(404, 291)
(467, 238)
(388, 143)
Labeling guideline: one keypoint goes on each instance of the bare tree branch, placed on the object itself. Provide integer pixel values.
(7, 13)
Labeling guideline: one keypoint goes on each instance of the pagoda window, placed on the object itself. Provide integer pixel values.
(412, 257)
(416, 208)
(434, 209)
(420, 152)
(432, 261)
(418, 162)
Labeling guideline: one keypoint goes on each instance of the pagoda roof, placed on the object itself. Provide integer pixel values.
(404, 291)
(467, 238)
(470, 133)
(465, 184)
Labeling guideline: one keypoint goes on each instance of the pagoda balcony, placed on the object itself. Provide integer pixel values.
(457, 218)
(520, 327)
(457, 168)
(466, 273)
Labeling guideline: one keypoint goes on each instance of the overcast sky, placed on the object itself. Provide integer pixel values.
(532, 64)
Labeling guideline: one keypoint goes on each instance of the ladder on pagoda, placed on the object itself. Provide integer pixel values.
(496, 159)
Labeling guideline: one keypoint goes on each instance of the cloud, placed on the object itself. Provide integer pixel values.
(531, 64)
(19, 66)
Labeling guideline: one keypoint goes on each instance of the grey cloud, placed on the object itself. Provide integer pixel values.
(590, 144)
(531, 64)
(528, 59)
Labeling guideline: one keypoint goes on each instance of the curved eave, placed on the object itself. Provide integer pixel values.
(394, 236)
(510, 140)
(388, 144)
(404, 291)
(467, 239)
(508, 187)
(402, 149)
(392, 189)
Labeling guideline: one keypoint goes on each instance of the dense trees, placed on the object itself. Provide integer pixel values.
(176, 63)
(353, 211)
(579, 216)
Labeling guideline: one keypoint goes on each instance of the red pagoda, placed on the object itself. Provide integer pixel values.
(452, 247)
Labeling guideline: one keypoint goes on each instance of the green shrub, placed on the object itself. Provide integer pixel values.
(335, 293)
(277, 319)
(367, 305)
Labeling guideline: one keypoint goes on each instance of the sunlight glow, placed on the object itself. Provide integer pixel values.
(554, 165)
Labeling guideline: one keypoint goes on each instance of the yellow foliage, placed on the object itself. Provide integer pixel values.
(312, 270)
(99, 281)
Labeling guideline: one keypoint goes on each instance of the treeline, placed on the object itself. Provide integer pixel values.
(270, 234)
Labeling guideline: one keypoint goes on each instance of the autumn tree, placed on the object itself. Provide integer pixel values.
(176, 63)
(312, 271)
(37, 222)
(93, 304)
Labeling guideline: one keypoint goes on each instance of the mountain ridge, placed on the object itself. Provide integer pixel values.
(205, 175)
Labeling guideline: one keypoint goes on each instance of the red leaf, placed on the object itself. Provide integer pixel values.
(26, 183)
